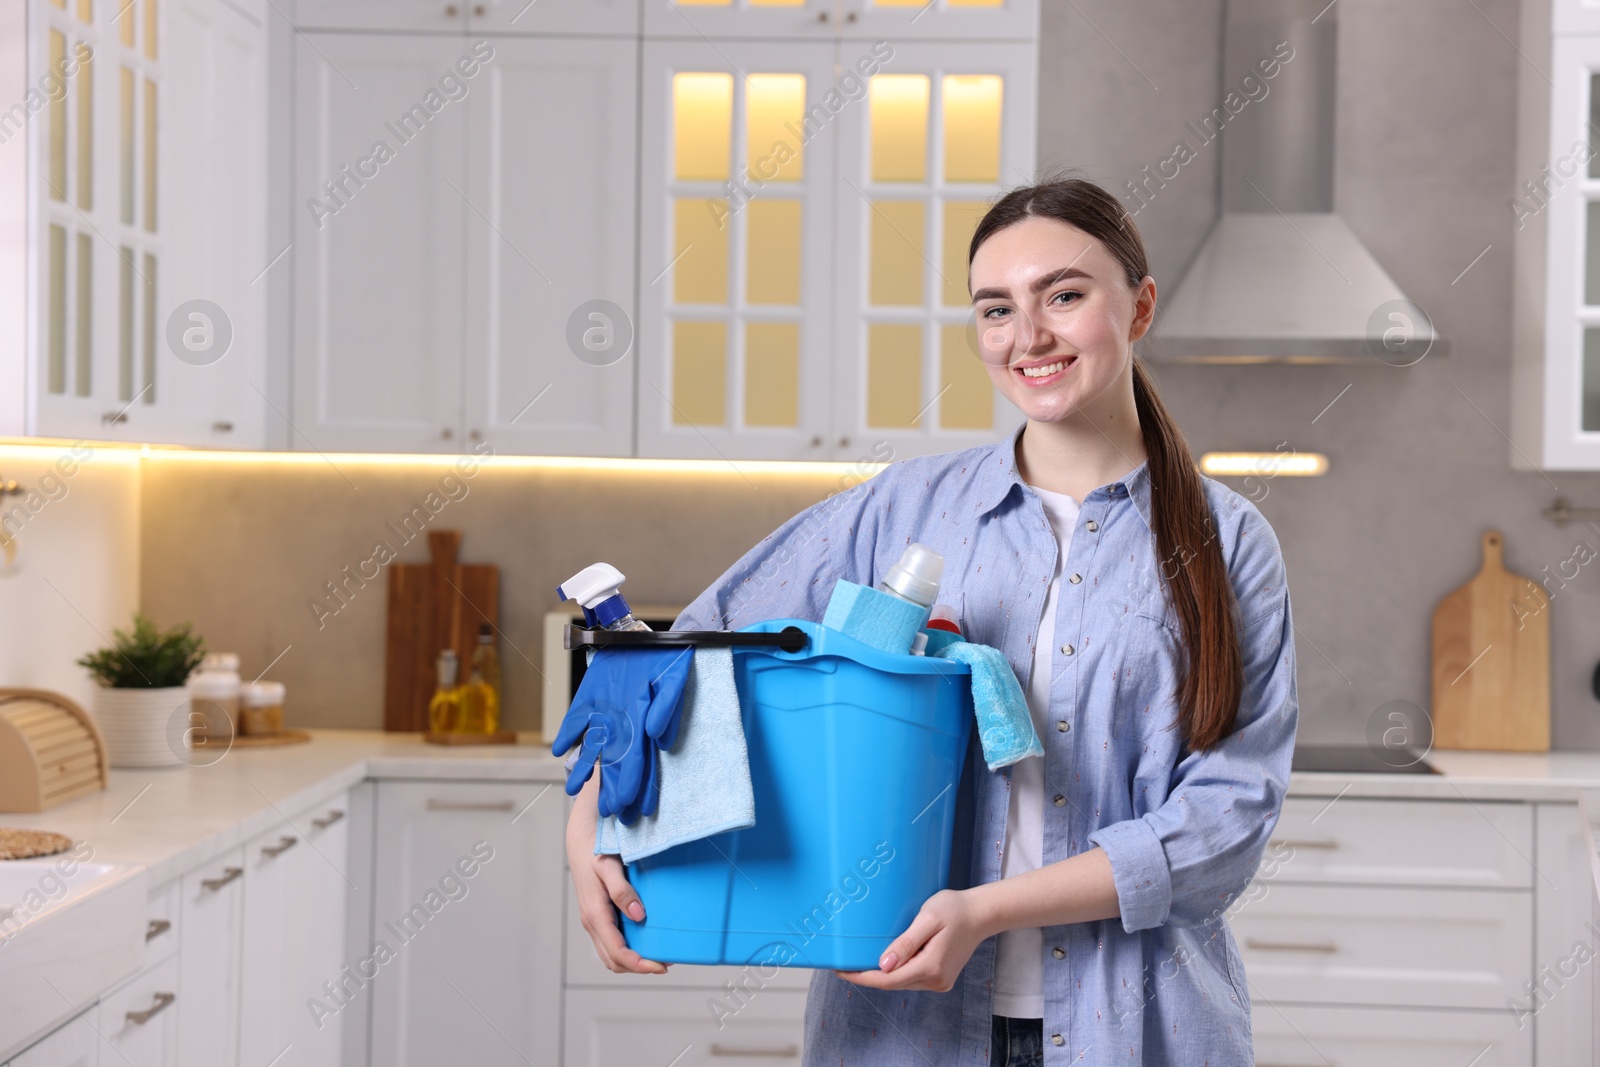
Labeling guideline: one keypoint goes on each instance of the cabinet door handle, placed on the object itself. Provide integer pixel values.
(783, 1052)
(222, 427)
(139, 1018)
(1330, 844)
(156, 928)
(285, 843)
(467, 805)
(478, 11)
(228, 875)
(1290, 946)
(327, 820)
(114, 418)
(450, 11)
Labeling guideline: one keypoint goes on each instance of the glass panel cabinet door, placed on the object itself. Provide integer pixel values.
(735, 257)
(939, 131)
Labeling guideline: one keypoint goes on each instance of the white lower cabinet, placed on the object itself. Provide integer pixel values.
(74, 1045)
(294, 892)
(138, 1022)
(466, 924)
(1302, 1036)
(210, 915)
(698, 1028)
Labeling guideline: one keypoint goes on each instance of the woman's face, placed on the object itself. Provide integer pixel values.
(1054, 315)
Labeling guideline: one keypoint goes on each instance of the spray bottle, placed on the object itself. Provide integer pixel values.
(597, 589)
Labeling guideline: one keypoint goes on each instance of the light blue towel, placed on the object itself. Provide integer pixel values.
(1004, 725)
(873, 617)
(705, 775)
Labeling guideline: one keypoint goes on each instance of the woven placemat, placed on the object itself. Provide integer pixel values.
(23, 844)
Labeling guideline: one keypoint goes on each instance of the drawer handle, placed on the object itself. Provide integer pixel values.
(285, 843)
(156, 928)
(1290, 946)
(1329, 844)
(786, 1052)
(139, 1018)
(228, 875)
(327, 820)
(466, 805)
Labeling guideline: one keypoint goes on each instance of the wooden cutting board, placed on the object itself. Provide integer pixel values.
(433, 606)
(1491, 661)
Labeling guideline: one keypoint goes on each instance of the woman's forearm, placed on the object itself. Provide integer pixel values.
(1074, 890)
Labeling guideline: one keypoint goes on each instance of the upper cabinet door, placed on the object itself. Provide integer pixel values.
(418, 16)
(551, 347)
(786, 19)
(734, 260)
(959, 20)
(1575, 16)
(380, 207)
(940, 132)
(597, 18)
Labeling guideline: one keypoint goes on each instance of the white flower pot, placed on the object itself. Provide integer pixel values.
(143, 727)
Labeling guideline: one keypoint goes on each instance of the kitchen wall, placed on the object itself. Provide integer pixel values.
(1420, 460)
(73, 573)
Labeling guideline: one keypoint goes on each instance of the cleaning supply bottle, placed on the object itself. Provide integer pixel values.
(915, 577)
(597, 589)
(444, 710)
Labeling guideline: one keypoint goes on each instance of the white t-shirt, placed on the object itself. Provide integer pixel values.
(1019, 961)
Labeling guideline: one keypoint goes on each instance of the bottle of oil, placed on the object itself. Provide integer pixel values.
(480, 697)
(444, 710)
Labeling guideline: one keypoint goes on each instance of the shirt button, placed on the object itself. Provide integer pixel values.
(1057, 1039)
(1058, 953)
(1063, 726)
(1061, 801)
(1075, 579)
(1091, 526)
(1066, 650)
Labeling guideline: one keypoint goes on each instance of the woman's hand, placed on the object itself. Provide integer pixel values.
(601, 883)
(931, 953)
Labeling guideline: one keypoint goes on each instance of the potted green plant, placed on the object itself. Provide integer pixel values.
(140, 702)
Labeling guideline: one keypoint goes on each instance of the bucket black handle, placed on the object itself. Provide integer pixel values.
(789, 639)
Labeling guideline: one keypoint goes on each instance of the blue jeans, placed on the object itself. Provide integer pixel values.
(1016, 1042)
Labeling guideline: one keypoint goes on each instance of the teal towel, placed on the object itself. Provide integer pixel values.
(1004, 725)
(875, 618)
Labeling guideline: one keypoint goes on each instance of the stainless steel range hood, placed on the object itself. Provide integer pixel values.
(1281, 278)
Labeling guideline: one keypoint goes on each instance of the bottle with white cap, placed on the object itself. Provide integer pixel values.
(916, 577)
(597, 589)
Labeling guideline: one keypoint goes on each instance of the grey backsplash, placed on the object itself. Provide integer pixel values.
(1419, 458)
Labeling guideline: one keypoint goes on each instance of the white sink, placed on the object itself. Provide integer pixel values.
(68, 931)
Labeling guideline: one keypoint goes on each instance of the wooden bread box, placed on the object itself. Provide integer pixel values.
(51, 750)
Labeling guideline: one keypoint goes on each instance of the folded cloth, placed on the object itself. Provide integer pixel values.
(875, 618)
(1004, 725)
(703, 777)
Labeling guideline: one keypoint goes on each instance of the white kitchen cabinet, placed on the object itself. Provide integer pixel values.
(294, 897)
(1555, 411)
(377, 247)
(617, 17)
(550, 235)
(74, 1045)
(138, 1023)
(687, 1029)
(1298, 1036)
(468, 912)
(735, 289)
(1565, 940)
(848, 19)
(210, 916)
(806, 19)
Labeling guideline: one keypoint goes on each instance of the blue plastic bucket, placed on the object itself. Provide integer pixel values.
(855, 756)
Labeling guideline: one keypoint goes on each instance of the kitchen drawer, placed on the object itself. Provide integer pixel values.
(1404, 842)
(139, 1022)
(162, 919)
(585, 969)
(1429, 948)
(624, 1028)
(74, 1045)
(1376, 1037)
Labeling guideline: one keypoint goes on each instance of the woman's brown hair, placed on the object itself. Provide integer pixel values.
(1186, 541)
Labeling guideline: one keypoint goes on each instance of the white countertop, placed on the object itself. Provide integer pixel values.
(172, 820)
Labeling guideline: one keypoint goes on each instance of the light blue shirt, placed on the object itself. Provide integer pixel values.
(1184, 831)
